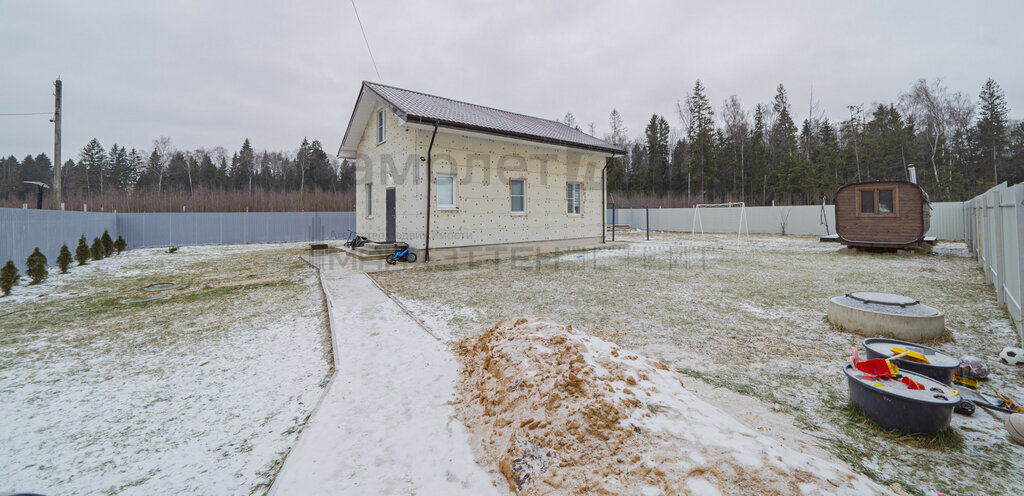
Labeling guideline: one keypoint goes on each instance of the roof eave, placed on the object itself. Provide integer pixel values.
(610, 149)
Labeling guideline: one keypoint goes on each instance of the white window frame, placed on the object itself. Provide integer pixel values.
(444, 206)
(368, 189)
(576, 197)
(382, 127)
(516, 212)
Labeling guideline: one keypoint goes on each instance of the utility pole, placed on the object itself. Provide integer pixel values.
(56, 144)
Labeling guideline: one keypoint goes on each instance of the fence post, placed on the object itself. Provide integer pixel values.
(986, 217)
(1018, 210)
(1000, 262)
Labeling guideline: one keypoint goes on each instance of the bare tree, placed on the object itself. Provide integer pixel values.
(738, 126)
(960, 111)
(618, 129)
(931, 106)
(570, 120)
(852, 129)
(683, 112)
(162, 147)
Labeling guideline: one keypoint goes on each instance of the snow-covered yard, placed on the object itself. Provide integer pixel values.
(748, 316)
(201, 393)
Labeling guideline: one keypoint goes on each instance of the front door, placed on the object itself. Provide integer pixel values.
(390, 215)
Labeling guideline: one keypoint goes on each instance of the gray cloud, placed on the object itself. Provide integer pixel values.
(213, 73)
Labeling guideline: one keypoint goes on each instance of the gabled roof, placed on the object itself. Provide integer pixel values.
(416, 107)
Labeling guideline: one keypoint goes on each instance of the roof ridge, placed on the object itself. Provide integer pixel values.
(480, 106)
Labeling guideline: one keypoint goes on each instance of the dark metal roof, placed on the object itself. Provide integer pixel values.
(414, 106)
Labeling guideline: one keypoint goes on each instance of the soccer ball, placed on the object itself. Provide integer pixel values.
(1012, 356)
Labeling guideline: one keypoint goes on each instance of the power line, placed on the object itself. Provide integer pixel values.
(380, 79)
(29, 113)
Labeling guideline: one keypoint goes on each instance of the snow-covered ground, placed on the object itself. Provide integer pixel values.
(748, 315)
(203, 393)
(386, 424)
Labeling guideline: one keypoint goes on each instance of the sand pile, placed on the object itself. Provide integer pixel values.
(561, 412)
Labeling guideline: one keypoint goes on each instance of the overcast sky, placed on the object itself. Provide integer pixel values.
(213, 73)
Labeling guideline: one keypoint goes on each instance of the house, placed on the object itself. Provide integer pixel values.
(459, 181)
(882, 214)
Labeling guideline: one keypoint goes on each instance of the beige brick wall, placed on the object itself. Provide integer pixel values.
(483, 166)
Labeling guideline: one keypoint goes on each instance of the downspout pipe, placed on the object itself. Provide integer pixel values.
(426, 248)
(604, 194)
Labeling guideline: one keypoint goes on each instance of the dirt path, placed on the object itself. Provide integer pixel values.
(386, 425)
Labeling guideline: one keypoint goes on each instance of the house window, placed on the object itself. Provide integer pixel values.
(445, 191)
(881, 201)
(517, 195)
(867, 201)
(369, 199)
(381, 127)
(885, 201)
(573, 195)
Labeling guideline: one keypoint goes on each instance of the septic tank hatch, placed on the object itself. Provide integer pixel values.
(873, 313)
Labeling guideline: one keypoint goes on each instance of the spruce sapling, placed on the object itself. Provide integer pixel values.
(120, 245)
(108, 244)
(64, 259)
(82, 252)
(97, 249)
(36, 266)
(8, 277)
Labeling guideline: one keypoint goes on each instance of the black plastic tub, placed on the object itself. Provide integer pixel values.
(895, 407)
(941, 368)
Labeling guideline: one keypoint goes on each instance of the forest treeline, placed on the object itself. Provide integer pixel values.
(758, 155)
(168, 179)
(959, 148)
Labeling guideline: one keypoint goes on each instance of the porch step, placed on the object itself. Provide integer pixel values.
(372, 250)
(619, 228)
(367, 254)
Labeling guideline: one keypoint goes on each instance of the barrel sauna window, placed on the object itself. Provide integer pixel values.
(877, 200)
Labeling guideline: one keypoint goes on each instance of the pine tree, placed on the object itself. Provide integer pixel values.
(82, 251)
(120, 245)
(64, 259)
(8, 277)
(97, 249)
(92, 162)
(36, 266)
(992, 126)
(758, 156)
(657, 135)
(701, 134)
(133, 170)
(177, 176)
(242, 167)
(783, 149)
(108, 244)
(120, 172)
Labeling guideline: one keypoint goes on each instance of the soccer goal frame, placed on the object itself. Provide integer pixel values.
(697, 223)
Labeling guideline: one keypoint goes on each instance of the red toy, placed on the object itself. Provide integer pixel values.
(877, 367)
(911, 384)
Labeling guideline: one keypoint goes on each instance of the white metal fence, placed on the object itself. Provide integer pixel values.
(947, 219)
(995, 234)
